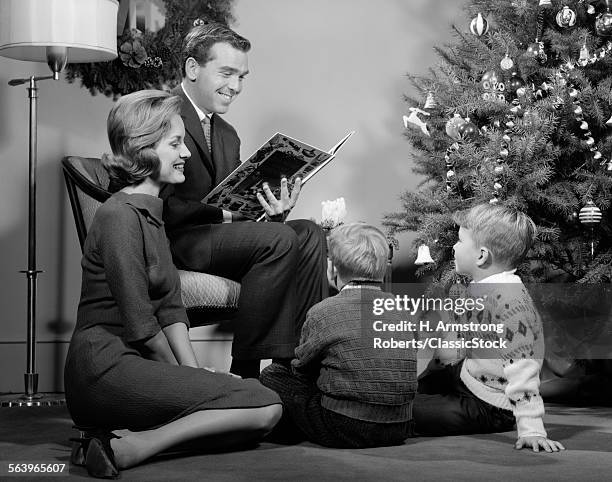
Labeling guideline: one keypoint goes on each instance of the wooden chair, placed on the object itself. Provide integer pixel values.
(209, 299)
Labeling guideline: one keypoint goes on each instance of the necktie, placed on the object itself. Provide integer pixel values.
(206, 128)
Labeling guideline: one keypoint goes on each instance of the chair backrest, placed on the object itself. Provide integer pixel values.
(87, 184)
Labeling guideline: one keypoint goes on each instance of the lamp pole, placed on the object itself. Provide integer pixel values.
(43, 31)
(31, 397)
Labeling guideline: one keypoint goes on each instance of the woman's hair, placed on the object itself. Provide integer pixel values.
(505, 231)
(359, 251)
(136, 124)
(201, 38)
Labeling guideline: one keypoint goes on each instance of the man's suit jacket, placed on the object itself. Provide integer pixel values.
(182, 206)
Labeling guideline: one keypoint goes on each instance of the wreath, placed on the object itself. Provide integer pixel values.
(150, 60)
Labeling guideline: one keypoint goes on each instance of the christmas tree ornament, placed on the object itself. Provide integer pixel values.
(590, 8)
(566, 17)
(506, 63)
(452, 125)
(468, 130)
(590, 216)
(479, 25)
(609, 166)
(603, 22)
(515, 83)
(584, 54)
(544, 9)
(414, 119)
(494, 90)
(450, 164)
(489, 79)
(609, 122)
(430, 102)
(537, 52)
(423, 256)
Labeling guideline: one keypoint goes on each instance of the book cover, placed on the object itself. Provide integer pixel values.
(280, 156)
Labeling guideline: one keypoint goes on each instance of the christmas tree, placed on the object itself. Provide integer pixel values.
(518, 111)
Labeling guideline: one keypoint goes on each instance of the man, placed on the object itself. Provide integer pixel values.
(281, 267)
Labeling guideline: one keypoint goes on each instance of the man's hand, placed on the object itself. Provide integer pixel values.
(279, 208)
(536, 442)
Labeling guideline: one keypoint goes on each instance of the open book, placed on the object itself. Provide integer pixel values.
(279, 156)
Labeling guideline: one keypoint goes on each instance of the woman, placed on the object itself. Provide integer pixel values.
(130, 364)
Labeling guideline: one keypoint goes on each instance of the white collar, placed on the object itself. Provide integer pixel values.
(503, 277)
(200, 112)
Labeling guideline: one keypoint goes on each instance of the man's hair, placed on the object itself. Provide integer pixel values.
(506, 232)
(200, 39)
(359, 251)
(135, 125)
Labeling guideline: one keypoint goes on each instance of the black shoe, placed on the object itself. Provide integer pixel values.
(96, 454)
(77, 455)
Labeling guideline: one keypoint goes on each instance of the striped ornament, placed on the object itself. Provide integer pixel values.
(479, 26)
(590, 214)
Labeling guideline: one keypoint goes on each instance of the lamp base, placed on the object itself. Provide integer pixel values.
(36, 400)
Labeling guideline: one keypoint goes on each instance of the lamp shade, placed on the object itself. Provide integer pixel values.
(86, 28)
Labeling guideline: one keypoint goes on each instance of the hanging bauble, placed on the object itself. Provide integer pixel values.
(468, 130)
(488, 79)
(430, 102)
(584, 53)
(590, 215)
(566, 17)
(423, 256)
(479, 25)
(494, 89)
(590, 9)
(515, 83)
(536, 51)
(506, 63)
(453, 125)
(603, 22)
(609, 122)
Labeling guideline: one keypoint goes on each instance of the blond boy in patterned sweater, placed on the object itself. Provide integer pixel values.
(491, 388)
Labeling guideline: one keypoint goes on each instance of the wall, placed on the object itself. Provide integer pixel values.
(318, 70)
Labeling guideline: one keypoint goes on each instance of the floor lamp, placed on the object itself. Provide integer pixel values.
(56, 32)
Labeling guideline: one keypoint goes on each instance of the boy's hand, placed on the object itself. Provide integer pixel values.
(536, 442)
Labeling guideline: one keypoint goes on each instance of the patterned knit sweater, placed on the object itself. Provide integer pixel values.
(509, 377)
(356, 380)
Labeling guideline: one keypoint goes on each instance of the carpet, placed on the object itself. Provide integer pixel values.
(41, 435)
